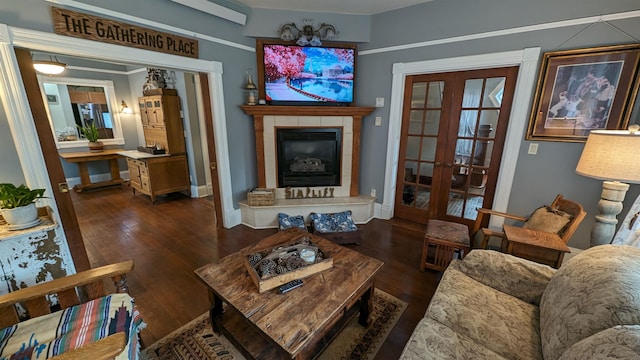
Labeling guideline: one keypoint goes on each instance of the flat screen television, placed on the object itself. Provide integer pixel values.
(289, 74)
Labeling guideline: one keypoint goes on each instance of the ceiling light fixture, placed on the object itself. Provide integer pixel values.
(50, 67)
(308, 35)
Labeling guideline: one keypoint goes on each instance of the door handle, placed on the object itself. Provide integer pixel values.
(438, 163)
(448, 164)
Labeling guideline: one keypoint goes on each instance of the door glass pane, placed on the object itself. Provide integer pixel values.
(428, 148)
(478, 180)
(494, 89)
(435, 94)
(472, 91)
(488, 123)
(483, 152)
(471, 206)
(456, 202)
(408, 195)
(426, 173)
(467, 126)
(418, 95)
(410, 171)
(464, 148)
(415, 122)
(413, 147)
(432, 122)
(422, 198)
(459, 176)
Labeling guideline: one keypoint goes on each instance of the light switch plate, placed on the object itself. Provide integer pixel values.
(533, 148)
(380, 102)
(378, 121)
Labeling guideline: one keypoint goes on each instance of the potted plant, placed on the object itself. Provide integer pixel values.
(90, 132)
(17, 204)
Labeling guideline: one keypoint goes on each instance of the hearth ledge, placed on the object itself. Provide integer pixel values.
(266, 217)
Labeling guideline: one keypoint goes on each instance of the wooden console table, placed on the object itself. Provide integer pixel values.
(84, 157)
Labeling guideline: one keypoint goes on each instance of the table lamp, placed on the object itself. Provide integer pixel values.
(612, 156)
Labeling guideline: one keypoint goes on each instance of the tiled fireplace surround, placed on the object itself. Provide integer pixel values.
(346, 196)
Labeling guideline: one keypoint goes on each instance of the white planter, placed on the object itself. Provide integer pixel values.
(20, 215)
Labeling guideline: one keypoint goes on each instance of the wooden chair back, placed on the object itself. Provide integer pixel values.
(575, 210)
(71, 290)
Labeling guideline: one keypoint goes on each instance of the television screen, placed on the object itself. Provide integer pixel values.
(308, 75)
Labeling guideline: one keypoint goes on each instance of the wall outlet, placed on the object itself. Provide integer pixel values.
(533, 148)
(378, 121)
(379, 102)
(373, 192)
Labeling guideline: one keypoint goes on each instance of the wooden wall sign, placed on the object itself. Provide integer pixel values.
(71, 23)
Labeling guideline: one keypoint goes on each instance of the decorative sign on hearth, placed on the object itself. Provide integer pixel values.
(291, 193)
(84, 26)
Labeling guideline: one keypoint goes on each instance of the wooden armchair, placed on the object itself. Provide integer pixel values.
(71, 291)
(541, 255)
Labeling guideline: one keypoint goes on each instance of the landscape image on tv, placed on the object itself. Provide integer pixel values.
(308, 74)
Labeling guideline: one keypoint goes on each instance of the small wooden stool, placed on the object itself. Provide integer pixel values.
(447, 238)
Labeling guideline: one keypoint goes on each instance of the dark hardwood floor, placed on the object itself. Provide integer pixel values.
(177, 235)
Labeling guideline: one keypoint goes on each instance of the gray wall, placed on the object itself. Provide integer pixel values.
(538, 177)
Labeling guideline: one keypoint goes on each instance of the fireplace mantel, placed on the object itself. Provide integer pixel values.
(355, 112)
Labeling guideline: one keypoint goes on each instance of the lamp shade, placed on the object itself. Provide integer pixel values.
(611, 155)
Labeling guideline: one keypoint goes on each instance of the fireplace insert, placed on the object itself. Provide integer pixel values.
(309, 156)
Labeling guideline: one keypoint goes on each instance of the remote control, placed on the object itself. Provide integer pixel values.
(290, 286)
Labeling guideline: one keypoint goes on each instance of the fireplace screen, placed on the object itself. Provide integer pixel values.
(309, 156)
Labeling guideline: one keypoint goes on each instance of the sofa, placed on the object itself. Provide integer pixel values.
(492, 305)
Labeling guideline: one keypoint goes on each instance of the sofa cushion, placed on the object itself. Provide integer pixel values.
(619, 342)
(515, 276)
(502, 323)
(432, 340)
(547, 219)
(286, 221)
(335, 222)
(53, 334)
(595, 290)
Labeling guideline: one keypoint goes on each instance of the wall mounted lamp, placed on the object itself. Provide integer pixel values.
(612, 156)
(308, 35)
(125, 109)
(50, 67)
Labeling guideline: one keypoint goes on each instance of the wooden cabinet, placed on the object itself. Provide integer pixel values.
(161, 122)
(85, 97)
(159, 175)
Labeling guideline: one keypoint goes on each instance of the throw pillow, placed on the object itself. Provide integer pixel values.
(285, 221)
(336, 222)
(547, 219)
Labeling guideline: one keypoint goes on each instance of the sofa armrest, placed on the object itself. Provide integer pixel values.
(515, 276)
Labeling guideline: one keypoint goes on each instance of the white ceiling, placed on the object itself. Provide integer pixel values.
(355, 7)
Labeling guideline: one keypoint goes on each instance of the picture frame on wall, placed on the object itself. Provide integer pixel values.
(582, 90)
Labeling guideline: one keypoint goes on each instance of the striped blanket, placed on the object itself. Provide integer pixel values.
(46, 336)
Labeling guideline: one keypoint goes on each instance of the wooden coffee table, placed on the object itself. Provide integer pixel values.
(301, 323)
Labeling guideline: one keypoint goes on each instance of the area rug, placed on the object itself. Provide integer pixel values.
(196, 340)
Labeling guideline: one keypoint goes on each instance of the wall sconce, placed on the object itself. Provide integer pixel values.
(125, 109)
(308, 35)
(51, 67)
(251, 89)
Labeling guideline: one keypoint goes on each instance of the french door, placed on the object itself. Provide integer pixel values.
(453, 130)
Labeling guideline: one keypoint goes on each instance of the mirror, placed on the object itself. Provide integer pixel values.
(75, 102)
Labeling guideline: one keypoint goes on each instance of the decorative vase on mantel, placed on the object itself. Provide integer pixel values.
(96, 146)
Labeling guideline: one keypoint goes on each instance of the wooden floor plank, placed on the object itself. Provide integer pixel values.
(177, 235)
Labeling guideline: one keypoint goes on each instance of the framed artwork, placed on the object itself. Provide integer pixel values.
(583, 90)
